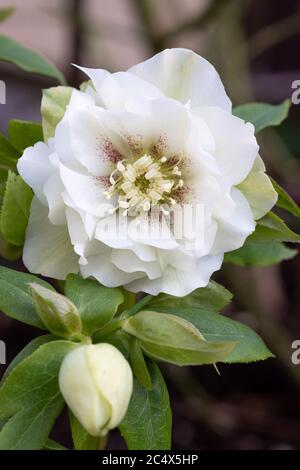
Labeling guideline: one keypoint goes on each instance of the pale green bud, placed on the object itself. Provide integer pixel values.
(96, 382)
(258, 190)
(57, 312)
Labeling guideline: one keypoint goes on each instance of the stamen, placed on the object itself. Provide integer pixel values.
(120, 167)
(152, 174)
(145, 183)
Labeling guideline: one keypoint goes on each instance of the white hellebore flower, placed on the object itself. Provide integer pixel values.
(96, 383)
(161, 135)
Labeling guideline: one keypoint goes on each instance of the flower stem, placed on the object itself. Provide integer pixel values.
(137, 307)
(107, 330)
(103, 442)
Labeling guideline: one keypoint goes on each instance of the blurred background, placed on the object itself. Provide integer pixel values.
(254, 44)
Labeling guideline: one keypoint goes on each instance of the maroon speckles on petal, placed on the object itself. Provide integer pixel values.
(106, 149)
(135, 143)
(159, 148)
(181, 195)
(103, 180)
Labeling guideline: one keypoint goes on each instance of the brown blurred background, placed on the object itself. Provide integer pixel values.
(255, 46)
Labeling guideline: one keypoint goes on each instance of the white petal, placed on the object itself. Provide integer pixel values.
(89, 221)
(112, 231)
(233, 231)
(113, 378)
(130, 263)
(172, 122)
(80, 392)
(63, 144)
(179, 283)
(86, 191)
(101, 268)
(236, 145)
(177, 258)
(185, 76)
(35, 167)
(53, 190)
(96, 75)
(152, 233)
(123, 90)
(80, 136)
(129, 133)
(48, 250)
(77, 232)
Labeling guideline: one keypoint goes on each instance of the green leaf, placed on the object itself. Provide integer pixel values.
(81, 438)
(173, 339)
(139, 365)
(119, 339)
(148, 422)
(15, 296)
(54, 104)
(213, 297)
(264, 247)
(8, 155)
(285, 201)
(214, 327)
(53, 445)
(8, 250)
(26, 59)
(96, 304)
(263, 115)
(272, 228)
(31, 399)
(6, 12)
(260, 254)
(23, 134)
(2, 187)
(29, 349)
(129, 300)
(15, 209)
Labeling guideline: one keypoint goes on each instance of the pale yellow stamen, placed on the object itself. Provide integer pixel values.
(144, 183)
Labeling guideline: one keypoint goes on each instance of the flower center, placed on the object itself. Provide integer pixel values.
(144, 183)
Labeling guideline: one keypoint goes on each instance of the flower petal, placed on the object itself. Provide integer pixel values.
(48, 250)
(128, 262)
(53, 189)
(236, 145)
(80, 135)
(86, 191)
(179, 283)
(185, 76)
(123, 90)
(35, 167)
(233, 231)
(100, 267)
(96, 75)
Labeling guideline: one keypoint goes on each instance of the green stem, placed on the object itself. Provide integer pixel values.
(107, 330)
(137, 307)
(102, 442)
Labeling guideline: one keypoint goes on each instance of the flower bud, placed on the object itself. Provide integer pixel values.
(96, 383)
(57, 312)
